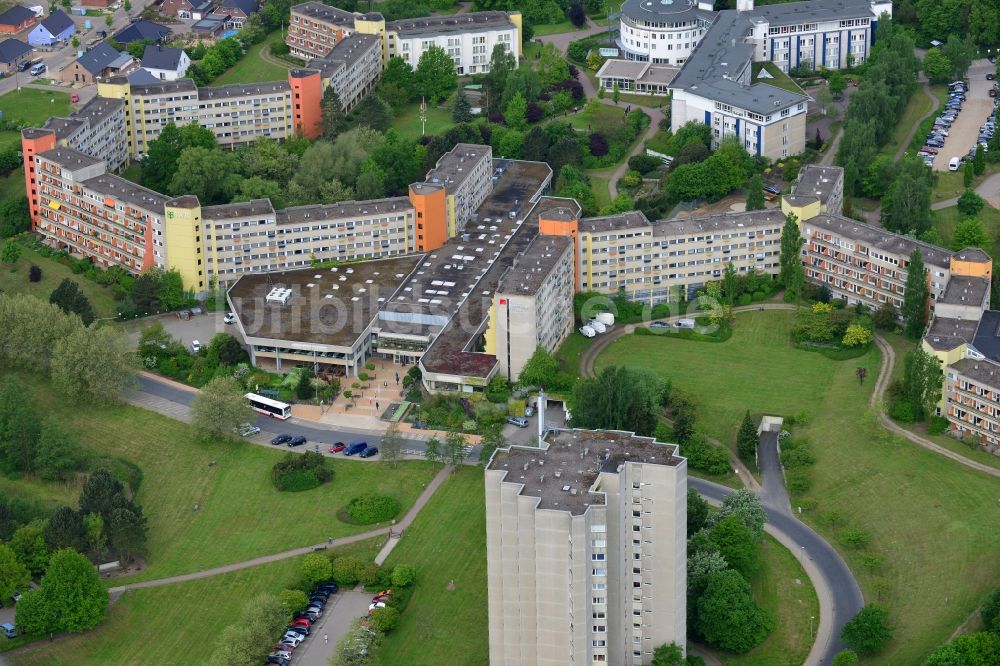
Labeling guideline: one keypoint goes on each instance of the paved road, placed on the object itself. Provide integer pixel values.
(773, 492)
(402, 525)
(335, 622)
(839, 595)
(978, 106)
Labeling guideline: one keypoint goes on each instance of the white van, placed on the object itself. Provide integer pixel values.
(954, 163)
(40, 68)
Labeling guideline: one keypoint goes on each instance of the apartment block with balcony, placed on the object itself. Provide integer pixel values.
(533, 306)
(672, 259)
(314, 29)
(585, 544)
(96, 129)
(468, 38)
(88, 212)
(972, 396)
(352, 68)
(466, 173)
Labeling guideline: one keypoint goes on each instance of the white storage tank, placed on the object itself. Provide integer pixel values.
(606, 318)
(598, 326)
(587, 332)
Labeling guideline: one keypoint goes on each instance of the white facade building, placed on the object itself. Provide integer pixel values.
(468, 38)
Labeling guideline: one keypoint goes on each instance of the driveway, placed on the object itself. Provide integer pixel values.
(554, 416)
(335, 622)
(977, 108)
(199, 327)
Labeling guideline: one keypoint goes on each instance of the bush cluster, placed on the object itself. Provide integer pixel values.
(373, 508)
(296, 472)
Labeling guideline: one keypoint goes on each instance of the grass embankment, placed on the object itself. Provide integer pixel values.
(253, 68)
(929, 523)
(14, 280)
(447, 542)
(212, 503)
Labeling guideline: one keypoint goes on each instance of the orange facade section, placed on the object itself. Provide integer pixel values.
(983, 269)
(307, 94)
(430, 209)
(30, 148)
(565, 227)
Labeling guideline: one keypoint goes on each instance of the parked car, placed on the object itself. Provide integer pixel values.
(529, 411)
(337, 447)
(659, 324)
(229, 318)
(376, 606)
(329, 587)
(247, 430)
(990, 77)
(281, 439)
(355, 447)
(284, 654)
(298, 440)
(9, 630)
(293, 637)
(301, 622)
(302, 631)
(369, 452)
(518, 421)
(277, 661)
(954, 163)
(196, 346)
(40, 68)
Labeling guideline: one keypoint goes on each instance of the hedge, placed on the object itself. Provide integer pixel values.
(368, 509)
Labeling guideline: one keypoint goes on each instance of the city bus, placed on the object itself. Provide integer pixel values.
(275, 408)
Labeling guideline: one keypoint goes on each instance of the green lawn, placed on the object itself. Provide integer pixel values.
(951, 184)
(33, 106)
(553, 28)
(599, 185)
(15, 280)
(918, 105)
(241, 515)
(13, 184)
(407, 120)
(447, 542)
(252, 68)
(597, 117)
(931, 519)
(782, 587)
(10, 139)
(778, 78)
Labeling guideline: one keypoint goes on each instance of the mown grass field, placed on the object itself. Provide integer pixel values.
(406, 120)
(252, 68)
(240, 515)
(946, 219)
(782, 587)
(930, 519)
(554, 28)
(14, 280)
(447, 542)
(31, 105)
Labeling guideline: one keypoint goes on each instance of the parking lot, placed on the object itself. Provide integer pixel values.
(977, 108)
(554, 416)
(344, 607)
(199, 327)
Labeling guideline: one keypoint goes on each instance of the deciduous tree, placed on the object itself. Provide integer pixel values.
(316, 569)
(746, 506)
(728, 618)
(697, 511)
(14, 576)
(249, 640)
(618, 399)
(792, 274)
(970, 204)
(970, 233)
(94, 364)
(28, 544)
(435, 75)
(869, 630)
(755, 193)
(915, 297)
(391, 445)
(737, 544)
(220, 407)
(71, 597)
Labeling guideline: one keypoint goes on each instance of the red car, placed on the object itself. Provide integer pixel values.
(337, 447)
(301, 622)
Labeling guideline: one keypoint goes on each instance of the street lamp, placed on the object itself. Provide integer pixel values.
(811, 618)
(423, 116)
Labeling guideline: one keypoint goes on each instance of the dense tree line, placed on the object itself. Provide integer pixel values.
(876, 106)
(938, 19)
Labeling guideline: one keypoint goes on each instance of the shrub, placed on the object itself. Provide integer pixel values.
(855, 537)
(295, 473)
(294, 599)
(798, 480)
(368, 509)
(744, 299)
(403, 575)
(345, 571)
(35, 274)
(937, 425)
(902, 411)
(758, 296)
(384, 619)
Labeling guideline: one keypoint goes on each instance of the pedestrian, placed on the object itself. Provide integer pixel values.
(326, 639)
(329, 540)
(376, 406)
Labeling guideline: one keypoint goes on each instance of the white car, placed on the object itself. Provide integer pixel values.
(954, 163)
(293, 638)
(376, 606)
(247, 430)
(229, 318)
(195, 346)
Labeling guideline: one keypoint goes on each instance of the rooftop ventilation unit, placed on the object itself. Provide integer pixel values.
(279, 295)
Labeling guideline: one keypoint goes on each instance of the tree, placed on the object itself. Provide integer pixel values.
(433, 450)
(755, 193)
(461, 110)
(109, 20)
(256, 187)
(398, 82)
(28, 543)
(249, 640)
(65, 530)
(616, 93)
(14, 576)
(514, 114)
(15, 217)
(837, 83)
(979, 161)
(737, 544)
(97, 540)
(970, 204)
(921, 381)
(304, 389)
(746, 439)
(869, 630)
(539, 370)
(576, 15)
(384, 619)
(316, 569)
(959, 51)
(915, 297)
(127, 6)
(11, 252)
(683, 424)
(71, 300)
(226, 349)
(391, 445)
(792, 274)
(728, 618)
(454, 448)
(99, 493)
(669, 655)
(435, 74)
(618, 398)
(990, 609)
(209, 174)
(856, 335)
(970, 233)
(332, 115)
(746, 506)
(146, 290)
(906, 206)
(127, 531)
(502, 64)
(886, 318)
(294, 600)
(220, 407)
(71, 597)
(697, 512)
(403, 575)
(937, 66)
(968, 174)
(94, 363)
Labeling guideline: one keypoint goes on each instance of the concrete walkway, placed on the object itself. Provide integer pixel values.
(343, 541)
